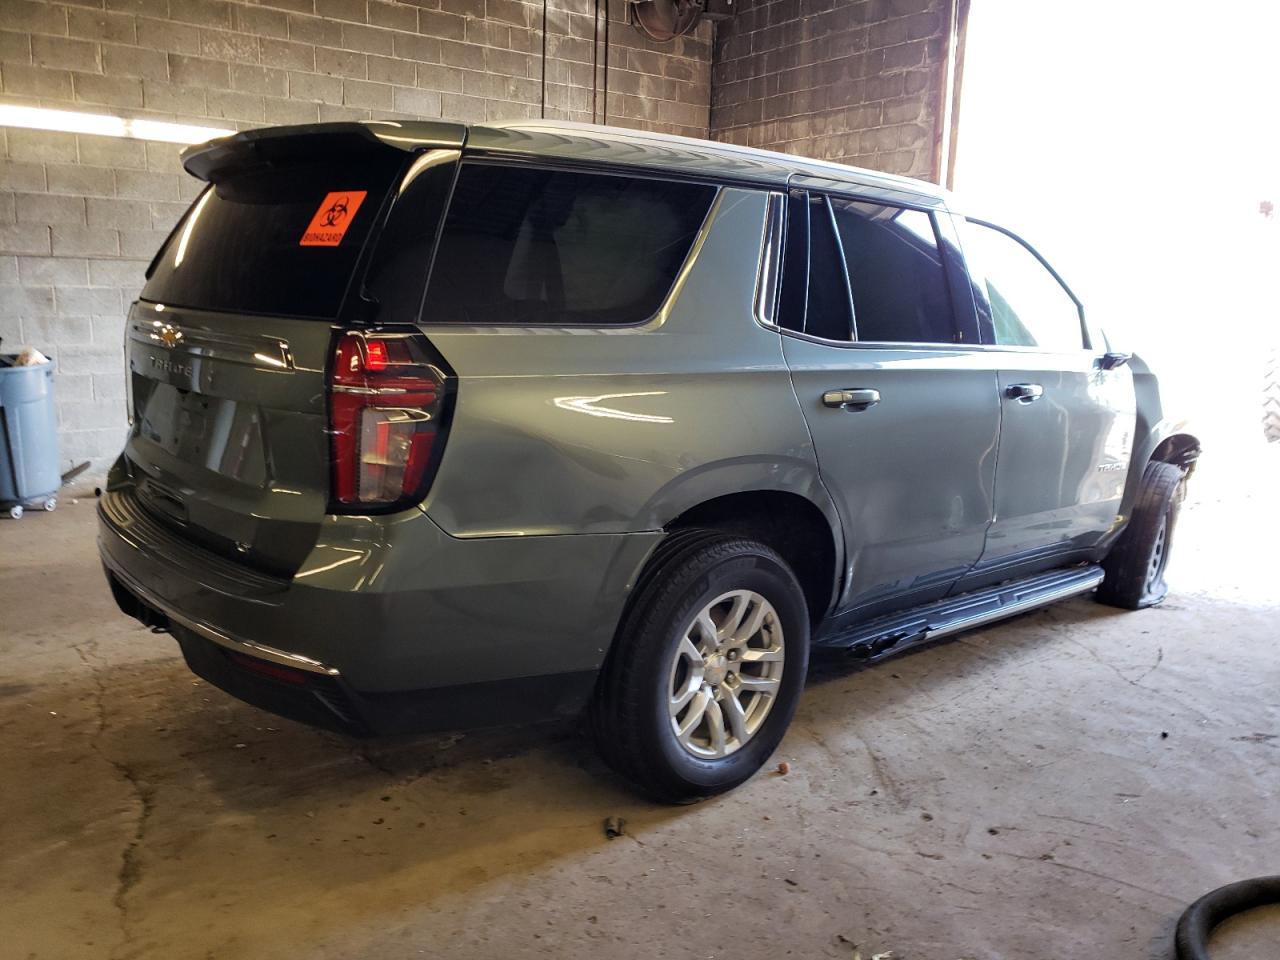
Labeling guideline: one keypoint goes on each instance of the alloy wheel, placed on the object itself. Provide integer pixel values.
(725, 674)
(1159, 555)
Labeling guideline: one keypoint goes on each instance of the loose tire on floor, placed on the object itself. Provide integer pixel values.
(1136, 565)
(674, 654)
(1271, 396)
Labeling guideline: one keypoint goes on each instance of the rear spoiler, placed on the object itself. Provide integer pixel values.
(212, 161)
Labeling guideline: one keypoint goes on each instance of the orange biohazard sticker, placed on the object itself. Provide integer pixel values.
(329, 225)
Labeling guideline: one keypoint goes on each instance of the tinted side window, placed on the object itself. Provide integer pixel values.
(524, 245)
(896, 274)
(795, 265)
(828, 315)
(398, 268)
(1026, 304)
(815, 294)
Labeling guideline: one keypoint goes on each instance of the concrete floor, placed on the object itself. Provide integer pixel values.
(1056, 786)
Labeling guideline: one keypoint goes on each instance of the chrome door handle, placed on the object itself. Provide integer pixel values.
(1024, 392)
(851, 398)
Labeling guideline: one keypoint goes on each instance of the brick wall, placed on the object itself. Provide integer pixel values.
(854, 81)
(80, 216)
(659, 86)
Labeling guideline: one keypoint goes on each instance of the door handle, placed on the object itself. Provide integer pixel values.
(1024, 392)
(851, 399)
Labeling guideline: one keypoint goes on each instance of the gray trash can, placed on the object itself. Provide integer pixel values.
(28, 437)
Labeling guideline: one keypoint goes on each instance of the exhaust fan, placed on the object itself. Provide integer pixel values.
(664, 20)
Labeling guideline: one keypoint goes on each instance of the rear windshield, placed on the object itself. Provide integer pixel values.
(530, 246)
(282, 240)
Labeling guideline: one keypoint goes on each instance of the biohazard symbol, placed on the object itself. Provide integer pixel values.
(334, 216)
(336, 212)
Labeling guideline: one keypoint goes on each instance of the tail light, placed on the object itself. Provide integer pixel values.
(388, 404)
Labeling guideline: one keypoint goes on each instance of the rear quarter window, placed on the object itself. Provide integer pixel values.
(523, 245)
(280, 240)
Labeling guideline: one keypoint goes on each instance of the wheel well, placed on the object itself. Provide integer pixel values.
(789, 524)
(1180, 449)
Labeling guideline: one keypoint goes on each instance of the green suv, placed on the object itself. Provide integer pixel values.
(441, 426)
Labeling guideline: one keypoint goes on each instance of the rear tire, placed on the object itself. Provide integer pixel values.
(714, 619)
(1136, 565)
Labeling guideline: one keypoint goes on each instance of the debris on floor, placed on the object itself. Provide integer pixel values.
(614, 827)
(74, 472)
(857, 954)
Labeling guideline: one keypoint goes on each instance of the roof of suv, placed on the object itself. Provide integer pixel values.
(576, 142)
(552, 138)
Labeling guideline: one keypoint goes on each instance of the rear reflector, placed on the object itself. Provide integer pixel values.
(387, 401)
(273, 671)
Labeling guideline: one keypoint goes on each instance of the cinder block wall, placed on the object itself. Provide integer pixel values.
(854, 81)
(80, 216)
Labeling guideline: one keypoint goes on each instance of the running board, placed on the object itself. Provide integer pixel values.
(885, 636)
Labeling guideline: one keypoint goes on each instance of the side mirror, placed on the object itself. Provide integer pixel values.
(1111, 359)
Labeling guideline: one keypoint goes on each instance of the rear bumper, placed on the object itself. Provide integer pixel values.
(329, 701)
(389, 625)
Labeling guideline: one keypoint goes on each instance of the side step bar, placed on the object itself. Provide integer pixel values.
(885, 636)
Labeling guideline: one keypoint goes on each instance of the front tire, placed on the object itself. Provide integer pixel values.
(1136, 565)
(706, 669)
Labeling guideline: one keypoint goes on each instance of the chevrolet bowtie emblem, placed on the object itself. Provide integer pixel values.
(170, 336)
